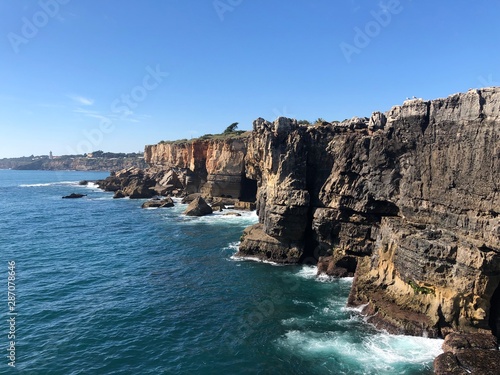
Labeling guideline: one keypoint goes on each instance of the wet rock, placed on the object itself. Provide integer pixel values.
(218, 206)
(455, 342)
(256, 243)
(247, 206)
(139, 188)
(198, 207)
(110, 183)
(75, 195)
(468, 353)
(119, 194)
(158, 203)
(191, 197)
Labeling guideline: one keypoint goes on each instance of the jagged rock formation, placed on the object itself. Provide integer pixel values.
(475, 353)
(213, 167)
(133, 182)
(158, 203)
(198, 207)
(408, 199)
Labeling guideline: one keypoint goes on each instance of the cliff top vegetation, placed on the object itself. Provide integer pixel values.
(229, 133)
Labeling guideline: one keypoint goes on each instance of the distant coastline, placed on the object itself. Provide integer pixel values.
(96, 161)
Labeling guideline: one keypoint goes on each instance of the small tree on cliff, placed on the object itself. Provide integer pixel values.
(231, 128)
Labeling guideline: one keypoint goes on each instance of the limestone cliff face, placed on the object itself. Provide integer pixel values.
(214, 167)
(408, 199)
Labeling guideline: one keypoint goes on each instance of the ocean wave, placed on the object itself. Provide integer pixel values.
(380, 352)
(102, 198)
(58, 183)
(233, 246)
(245, 218)
(311, 273)
(255, 259)
(357, 309)
(308, 272)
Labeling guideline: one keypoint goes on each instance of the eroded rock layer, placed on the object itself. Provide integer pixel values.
(213, 167)
(409, 200)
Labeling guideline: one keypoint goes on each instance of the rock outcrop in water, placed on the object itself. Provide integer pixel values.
(409, 200)
(212, 168)
(74, 196)
(198, 207)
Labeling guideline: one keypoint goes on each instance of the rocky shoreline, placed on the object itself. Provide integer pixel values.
(160, 185)
(475, 353)
(407, 201)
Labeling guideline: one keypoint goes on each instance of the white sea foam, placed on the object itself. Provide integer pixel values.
(234, 246)
(51, 184)
(246, 218)
(357, 309)
(348, 280)
(255, 259)
(311, 272)
(379, 352)
(306, 303)
(308, 272)
(325, 278)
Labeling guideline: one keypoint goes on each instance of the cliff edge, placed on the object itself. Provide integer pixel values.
(212, 167)
(408, 201)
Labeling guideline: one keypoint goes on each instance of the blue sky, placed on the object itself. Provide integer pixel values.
(114, 75)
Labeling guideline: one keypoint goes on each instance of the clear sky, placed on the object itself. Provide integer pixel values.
(114, 75)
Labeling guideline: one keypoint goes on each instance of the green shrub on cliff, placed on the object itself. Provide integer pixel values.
(232, 135)
(420, 289)
(231, 128)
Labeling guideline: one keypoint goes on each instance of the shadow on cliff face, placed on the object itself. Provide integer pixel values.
(248, 190)
(494, 321)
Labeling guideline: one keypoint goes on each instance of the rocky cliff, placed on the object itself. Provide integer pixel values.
(408, 200)
(213, 167)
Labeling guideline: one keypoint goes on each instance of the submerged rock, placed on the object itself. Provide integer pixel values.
(75, 195)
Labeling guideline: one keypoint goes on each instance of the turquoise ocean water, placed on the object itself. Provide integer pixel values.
(105, 287)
